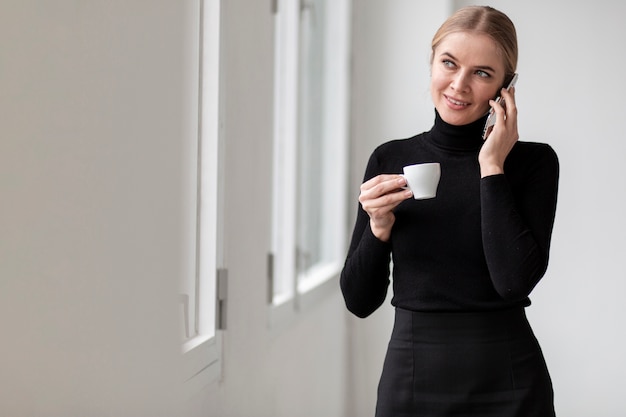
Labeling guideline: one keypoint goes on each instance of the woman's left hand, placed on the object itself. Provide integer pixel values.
(502, 138)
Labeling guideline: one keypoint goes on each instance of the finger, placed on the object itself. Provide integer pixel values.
(498, 109)
(384, 203)
(382, 184)
(510, 105)
(379, 179)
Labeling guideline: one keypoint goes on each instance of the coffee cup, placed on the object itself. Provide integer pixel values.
(422, 179)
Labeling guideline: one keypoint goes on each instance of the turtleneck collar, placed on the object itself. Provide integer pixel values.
(457, 138)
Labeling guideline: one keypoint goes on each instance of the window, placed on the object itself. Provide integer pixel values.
(199, 293)
(310, 152)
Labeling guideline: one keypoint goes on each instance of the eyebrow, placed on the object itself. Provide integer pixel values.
(480, 67)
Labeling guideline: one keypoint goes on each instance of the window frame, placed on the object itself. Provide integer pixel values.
(303, 289)
(202, 353)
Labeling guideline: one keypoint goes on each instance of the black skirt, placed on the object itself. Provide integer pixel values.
(464, 364)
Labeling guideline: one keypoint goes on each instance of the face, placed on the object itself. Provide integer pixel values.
(467, 71)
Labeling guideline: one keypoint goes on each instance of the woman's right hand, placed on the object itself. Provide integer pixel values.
(379, 196)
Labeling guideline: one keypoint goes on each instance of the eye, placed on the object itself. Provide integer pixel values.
(448, 64)
(483, 74)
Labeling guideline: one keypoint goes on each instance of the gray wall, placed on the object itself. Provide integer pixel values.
(297, 369)
(91, 174)
(95, 155)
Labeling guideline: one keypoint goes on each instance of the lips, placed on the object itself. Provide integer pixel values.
(455, 102)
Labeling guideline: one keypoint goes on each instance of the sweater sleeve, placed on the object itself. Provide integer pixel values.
(517, 224)
(365, 276)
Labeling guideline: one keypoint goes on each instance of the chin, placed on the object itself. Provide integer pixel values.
(457, 118)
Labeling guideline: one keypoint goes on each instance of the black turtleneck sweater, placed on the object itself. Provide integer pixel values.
(480, 244)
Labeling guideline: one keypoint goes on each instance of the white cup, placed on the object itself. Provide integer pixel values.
(423, 179)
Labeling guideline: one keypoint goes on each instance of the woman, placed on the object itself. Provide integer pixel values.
(465, 261)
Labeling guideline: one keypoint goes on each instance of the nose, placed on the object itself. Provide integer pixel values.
(460, 81)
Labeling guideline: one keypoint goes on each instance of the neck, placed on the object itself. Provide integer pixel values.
(462, 138)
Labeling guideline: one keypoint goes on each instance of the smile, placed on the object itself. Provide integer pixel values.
(456, 102)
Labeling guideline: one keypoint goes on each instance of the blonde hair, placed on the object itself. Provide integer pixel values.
(485, 20)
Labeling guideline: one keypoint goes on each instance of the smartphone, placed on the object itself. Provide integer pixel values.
(491, 119)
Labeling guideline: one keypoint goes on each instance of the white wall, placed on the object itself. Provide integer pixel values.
(570, 96)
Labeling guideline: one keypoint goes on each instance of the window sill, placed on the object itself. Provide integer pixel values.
(201, 363)
(319, 284)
